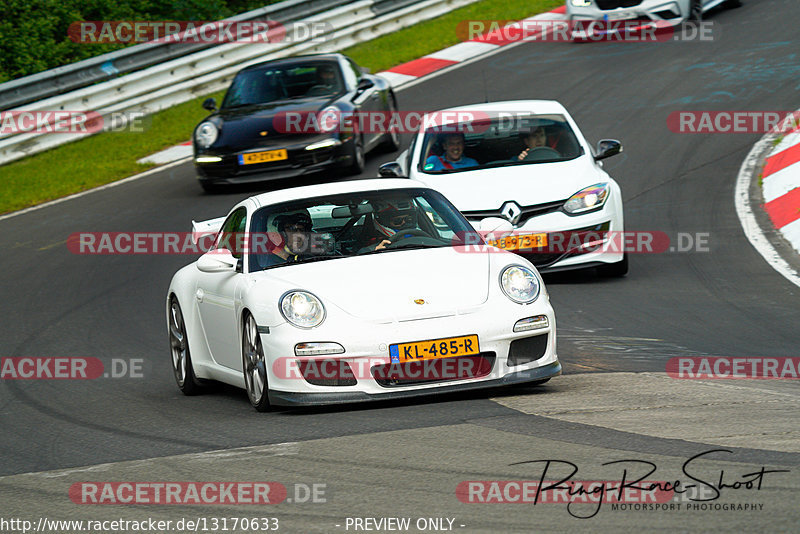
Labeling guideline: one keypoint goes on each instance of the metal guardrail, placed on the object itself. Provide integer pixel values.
(107, 66)
(178, 80)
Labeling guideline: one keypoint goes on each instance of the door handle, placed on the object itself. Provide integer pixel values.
(199, 295)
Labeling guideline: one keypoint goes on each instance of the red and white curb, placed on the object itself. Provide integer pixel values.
(411, 71)
(781, 187)
(461, 52)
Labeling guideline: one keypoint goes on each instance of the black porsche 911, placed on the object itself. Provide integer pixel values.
(281, 119)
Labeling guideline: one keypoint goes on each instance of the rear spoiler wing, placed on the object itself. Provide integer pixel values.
(201, 228)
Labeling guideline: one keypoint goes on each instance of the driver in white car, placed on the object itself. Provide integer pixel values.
(534, 139)
(393, 219)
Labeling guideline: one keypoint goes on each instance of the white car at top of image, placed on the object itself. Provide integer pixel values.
(656, 11)
(356, 291)
(531, 169)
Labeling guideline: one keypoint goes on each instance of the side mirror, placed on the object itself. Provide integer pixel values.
(391, 170)
(218, 261)
(364, 84)
(607, 148)
(210, 104)
(496, 225)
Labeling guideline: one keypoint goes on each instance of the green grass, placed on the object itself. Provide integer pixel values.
(108, 157)
(432, 35)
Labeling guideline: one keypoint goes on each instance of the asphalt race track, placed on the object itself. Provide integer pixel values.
(406, 458)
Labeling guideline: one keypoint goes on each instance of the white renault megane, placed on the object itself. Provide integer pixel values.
(525, 162)
(356, 291)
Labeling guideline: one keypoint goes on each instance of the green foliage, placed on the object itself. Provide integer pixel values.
(33, 33)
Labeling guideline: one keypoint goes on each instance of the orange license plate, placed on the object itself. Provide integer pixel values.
(434, 348)
(263, 157)
(520, 242)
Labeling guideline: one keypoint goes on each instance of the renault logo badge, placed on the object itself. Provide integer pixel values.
(511, 211)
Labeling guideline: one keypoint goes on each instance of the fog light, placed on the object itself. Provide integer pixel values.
(208, 159)
(531, 323)
(327, 143)
(312, 349)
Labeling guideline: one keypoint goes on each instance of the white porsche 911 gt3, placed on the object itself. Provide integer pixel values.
(528, 163)
(356, 291)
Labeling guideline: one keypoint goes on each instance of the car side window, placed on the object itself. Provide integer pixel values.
(231, 234)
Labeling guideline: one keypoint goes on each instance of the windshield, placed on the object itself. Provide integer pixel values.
(497, 142)
(274, 83)
(354, 224)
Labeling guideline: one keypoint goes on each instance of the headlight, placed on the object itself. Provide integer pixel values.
(581, 3)
(519, 284)
(302, 309)
(328, 119)
(206, 134)
(587, 199)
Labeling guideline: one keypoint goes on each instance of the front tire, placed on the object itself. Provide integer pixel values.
(357, 156)
(392, 141)
(254, 366)
(695, 11)
(179, 347)
(615, 270)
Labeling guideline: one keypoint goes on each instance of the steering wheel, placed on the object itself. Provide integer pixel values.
(541, 152)
(319, 90)
(403, 234)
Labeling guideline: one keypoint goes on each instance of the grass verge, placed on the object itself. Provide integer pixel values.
(111, 156)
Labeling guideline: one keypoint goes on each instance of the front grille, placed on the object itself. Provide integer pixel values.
(327, 372)
(431, 371)
(614, 4)
(527, 350)
(305, 158)
(528, 212)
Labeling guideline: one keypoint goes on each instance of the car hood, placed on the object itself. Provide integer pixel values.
(536, 183)
(244, 126)
(383, 287)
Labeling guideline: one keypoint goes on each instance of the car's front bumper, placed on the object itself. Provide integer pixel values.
(367, 348)
(300, 162)
(575, 241)
(288, 398)
(671, 11)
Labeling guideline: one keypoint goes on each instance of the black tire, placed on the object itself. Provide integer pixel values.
(210, 187)
(391, 141)
(695, 11)
(254, 365)
(357, 156)
(182, 367)
(615, 270)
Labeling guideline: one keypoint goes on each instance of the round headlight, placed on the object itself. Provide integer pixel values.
(328, 119)
(519, 284)
(302, 309)
(206, 134)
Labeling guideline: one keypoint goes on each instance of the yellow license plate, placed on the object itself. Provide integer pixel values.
(434, 348)
(518, 242)
(263, 157)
